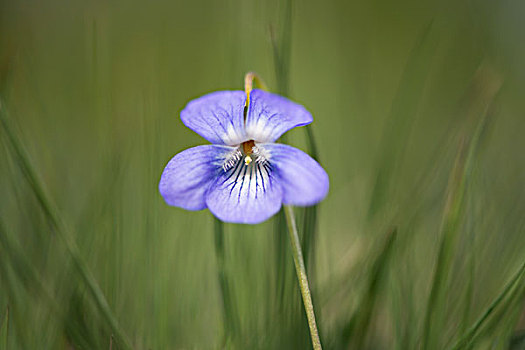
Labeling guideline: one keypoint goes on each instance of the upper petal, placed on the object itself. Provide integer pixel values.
(270, 115)
(218, 117)
(245, 194)
(188, 175)
(303, 180)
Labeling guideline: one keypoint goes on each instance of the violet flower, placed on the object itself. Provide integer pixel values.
(243, 177)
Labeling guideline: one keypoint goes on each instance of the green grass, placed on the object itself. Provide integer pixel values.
(418, 119)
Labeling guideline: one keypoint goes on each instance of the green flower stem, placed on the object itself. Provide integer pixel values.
(301, 276)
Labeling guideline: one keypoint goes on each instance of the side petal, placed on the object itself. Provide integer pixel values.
(188, 175)
(218, 117)
(303, 180)
(270, 115)
(245, 194)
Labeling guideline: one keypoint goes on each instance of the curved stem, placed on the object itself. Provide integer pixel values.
(301, 276)
(249, 79)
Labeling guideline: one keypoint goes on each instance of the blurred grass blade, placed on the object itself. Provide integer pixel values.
(4, 330)
(504, 318)
(29, 277)
(470, 258)
(356, 331)
(402, 113)
(57, 225)
(453, 213)
(451, 220)
(470, 336)
(228, 304)
(27, 274)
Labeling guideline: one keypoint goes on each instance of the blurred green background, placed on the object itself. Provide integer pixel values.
(418, 119)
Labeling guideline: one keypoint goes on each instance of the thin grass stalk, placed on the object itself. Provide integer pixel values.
(452, 218)
(470, 263)
(302, 277)
(59, 227)
(503, 320)
(504, 316)
(509, 317)
(403, 310)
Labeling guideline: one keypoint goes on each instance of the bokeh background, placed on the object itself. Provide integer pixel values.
(418, 119)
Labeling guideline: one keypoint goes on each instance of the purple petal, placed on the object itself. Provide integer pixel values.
(303, 180)
(189, 174)
(270, 116)
(245, 194)
(218, 117)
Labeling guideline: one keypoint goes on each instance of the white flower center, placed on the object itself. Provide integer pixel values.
(248, 152)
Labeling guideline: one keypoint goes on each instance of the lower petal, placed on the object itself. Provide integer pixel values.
(303, 180)
(188, 175)
(245, 194)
